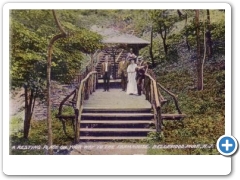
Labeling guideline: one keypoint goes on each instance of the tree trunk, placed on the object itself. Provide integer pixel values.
(208, 36)
(199, 64)
(49, 59)
(179, 13)
(204, 55)
(164, 37)
(164, 42)
(186, 35)
(150, 48)
(29, 107)
(165, 46)
(26, 123)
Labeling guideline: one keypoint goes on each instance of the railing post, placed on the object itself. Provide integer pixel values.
(151, 92)
(147, 87)
(94, 82)
(76, 138)
(159, 119)
(152, 96)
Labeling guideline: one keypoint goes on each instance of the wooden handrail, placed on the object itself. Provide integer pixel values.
(173, 96)
(80, 98)
(119, 55)
(63, 101)
(158, 104)
(81, 87)
(154, 99)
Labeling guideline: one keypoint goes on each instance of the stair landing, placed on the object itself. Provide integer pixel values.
(116, 99)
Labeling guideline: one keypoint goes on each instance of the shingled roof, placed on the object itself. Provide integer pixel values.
(125, 39)
(111, 36)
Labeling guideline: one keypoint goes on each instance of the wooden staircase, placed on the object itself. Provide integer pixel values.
(116, 124)
(114, 115)
(109, 52)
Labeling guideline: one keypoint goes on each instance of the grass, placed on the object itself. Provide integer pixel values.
(205, 110)
(38, 137)
(16, 124)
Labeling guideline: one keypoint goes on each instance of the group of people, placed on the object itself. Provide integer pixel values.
(130, 70)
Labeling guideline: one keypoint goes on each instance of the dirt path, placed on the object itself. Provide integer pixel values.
(109, 148)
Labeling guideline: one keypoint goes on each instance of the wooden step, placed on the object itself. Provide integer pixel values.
(110, 137)
(115, 122)
(111, 110)
(173, 116)
(115, 130)
(164, 116)
(117, 115)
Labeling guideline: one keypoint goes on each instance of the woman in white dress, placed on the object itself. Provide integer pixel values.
(132, 83)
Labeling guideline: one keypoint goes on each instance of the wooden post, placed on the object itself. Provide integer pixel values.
(148, 86)
(81, 94)
(155, 115)
(94, 83)
(159, 119)
(151, 92)
(173, 96)
(86, 90)
(76, 138)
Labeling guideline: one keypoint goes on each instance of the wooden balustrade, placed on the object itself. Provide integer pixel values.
(172, 95)
(152, 95)
(86, 87)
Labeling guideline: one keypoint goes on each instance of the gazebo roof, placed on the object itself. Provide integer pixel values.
(125, 39)
(111, 36)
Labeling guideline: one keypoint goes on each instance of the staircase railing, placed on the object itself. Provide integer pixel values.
(152, 95)
(86, 87)
(89, 88)
(173, 96)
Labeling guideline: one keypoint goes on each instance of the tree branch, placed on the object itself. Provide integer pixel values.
(58, 23)
(49, 59)
(165, 31)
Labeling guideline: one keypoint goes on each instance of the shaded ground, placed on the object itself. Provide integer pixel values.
(58, 93)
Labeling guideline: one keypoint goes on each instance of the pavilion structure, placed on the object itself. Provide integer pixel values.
(117, 45)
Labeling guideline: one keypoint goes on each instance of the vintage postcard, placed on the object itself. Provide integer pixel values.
(148, 79)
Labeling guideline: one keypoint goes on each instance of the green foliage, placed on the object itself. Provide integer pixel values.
(218, 35)
(30, 33)
(163, 19)
(16, 124)
(38, 137)
(67, 110)
(205, 110)
(217, 28)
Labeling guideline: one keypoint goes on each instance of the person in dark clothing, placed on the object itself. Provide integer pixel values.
(140, 77)
(106, 73)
